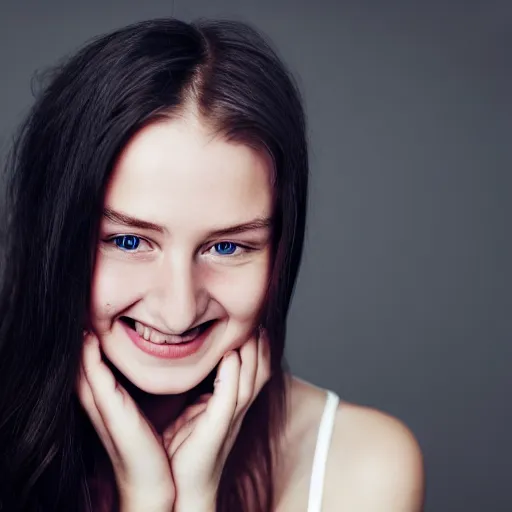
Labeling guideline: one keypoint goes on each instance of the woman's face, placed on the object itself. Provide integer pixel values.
(183, 256)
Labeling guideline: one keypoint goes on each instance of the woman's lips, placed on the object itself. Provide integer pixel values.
(169, 351)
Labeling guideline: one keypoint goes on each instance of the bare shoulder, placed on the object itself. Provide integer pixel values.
(374, 463)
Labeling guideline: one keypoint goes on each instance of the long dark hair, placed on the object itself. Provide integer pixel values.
(58, 170)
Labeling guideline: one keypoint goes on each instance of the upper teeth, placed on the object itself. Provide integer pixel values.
(154, 336)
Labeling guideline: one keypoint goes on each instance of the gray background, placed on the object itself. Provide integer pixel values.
(404, 297)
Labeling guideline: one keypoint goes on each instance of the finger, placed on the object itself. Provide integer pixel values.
(86, 398)
(261, 377)
(248, 370)
(263, 372)
(174, 437)
(117, 409)
(214, 426)
(136, 453)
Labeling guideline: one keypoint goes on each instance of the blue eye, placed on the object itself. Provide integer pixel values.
(225, 248)
(127, 242)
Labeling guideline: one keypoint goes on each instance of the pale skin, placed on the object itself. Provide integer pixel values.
(178, 469)
(180, 191)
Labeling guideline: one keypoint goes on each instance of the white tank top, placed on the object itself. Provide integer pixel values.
(316, 486)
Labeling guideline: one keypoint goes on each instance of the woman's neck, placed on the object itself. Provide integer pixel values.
(161, 410)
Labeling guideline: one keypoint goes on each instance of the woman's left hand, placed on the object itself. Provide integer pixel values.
(199, 441)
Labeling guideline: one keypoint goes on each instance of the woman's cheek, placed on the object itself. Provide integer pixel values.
(116, 285)
(241, 292)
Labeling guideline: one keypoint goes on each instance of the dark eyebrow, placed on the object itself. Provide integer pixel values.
(258, 223)
(131, 222)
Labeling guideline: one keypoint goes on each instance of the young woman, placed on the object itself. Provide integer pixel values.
(157, 214)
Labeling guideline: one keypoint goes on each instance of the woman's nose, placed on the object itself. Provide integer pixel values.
(178, 299)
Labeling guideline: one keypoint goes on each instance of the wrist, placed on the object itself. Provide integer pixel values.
(212, 507)
(196, 503)
(148, 503)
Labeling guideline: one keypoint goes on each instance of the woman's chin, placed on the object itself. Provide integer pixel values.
(163, 388)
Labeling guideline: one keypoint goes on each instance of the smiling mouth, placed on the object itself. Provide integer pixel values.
(157, 338)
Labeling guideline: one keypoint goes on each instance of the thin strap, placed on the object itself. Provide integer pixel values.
(323, 442)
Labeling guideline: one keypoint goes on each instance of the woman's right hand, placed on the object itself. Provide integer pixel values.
(141, 466)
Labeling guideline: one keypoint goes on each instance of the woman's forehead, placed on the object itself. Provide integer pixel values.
(175, 171)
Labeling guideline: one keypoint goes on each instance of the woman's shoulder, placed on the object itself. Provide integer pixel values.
(374, 461)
